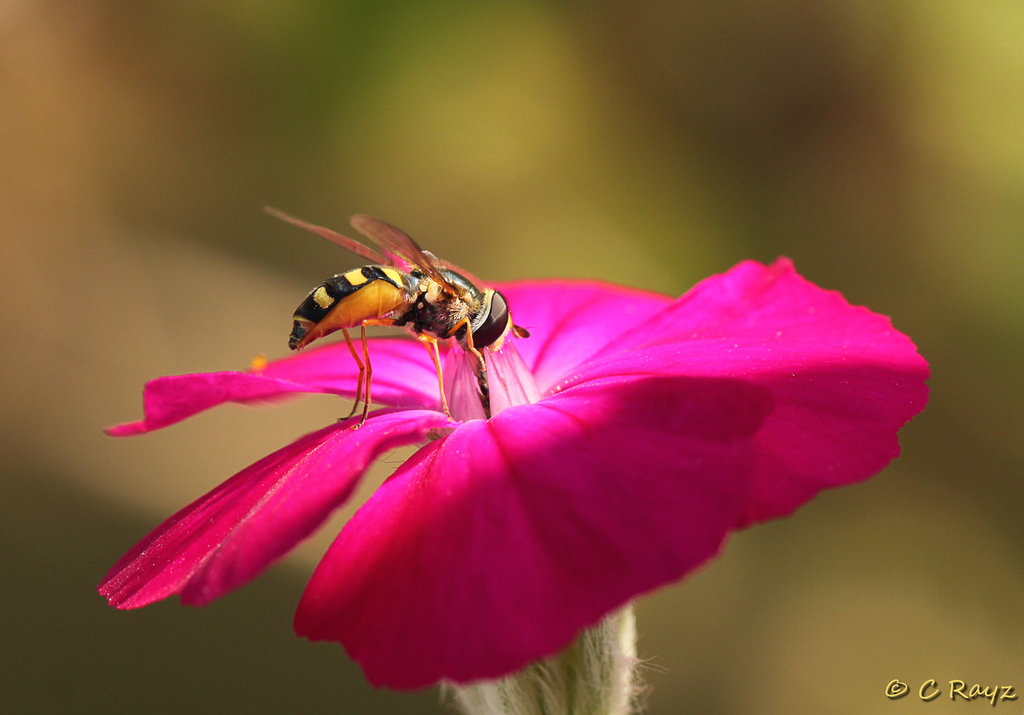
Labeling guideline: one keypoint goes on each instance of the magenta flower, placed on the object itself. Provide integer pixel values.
(630, 434)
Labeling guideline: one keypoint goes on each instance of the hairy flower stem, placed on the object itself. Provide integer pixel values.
(596, 675)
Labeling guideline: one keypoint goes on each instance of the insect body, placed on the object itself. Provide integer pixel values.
(406, 287)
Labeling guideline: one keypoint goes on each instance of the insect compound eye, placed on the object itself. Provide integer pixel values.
(494, 325)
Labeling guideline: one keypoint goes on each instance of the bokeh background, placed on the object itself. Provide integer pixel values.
(880, 145)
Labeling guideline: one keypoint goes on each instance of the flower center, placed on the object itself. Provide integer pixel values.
(509, 382)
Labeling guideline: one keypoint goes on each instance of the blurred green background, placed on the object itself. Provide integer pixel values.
(881, 146)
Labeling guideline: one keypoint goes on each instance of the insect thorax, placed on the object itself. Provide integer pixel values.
(436, 312)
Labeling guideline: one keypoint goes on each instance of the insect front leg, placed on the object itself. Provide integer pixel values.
(480, 368)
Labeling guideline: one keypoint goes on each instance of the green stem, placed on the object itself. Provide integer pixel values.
(596, 675)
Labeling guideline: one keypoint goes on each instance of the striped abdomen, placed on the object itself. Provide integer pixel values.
(347, 299)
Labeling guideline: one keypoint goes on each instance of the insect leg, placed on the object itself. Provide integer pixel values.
(369, 374)
(481, 365)
(366, 367)
(431, 345)
(362, 371)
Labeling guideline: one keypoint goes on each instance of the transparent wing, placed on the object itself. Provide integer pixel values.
(349, 244)
(395, 242)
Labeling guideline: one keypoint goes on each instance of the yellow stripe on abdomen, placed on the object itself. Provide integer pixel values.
(356, 277)
(392, 274)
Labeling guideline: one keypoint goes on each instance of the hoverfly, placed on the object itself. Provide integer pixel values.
(405, 286)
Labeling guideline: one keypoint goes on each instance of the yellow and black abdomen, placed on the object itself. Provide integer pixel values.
(347, 299)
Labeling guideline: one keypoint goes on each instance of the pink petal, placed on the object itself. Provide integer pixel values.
(403, 376)
(230, 535)
(461, 387)
(843, 380)
(509, 379)
(494, 546)
(570, 321)
(510, 383)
